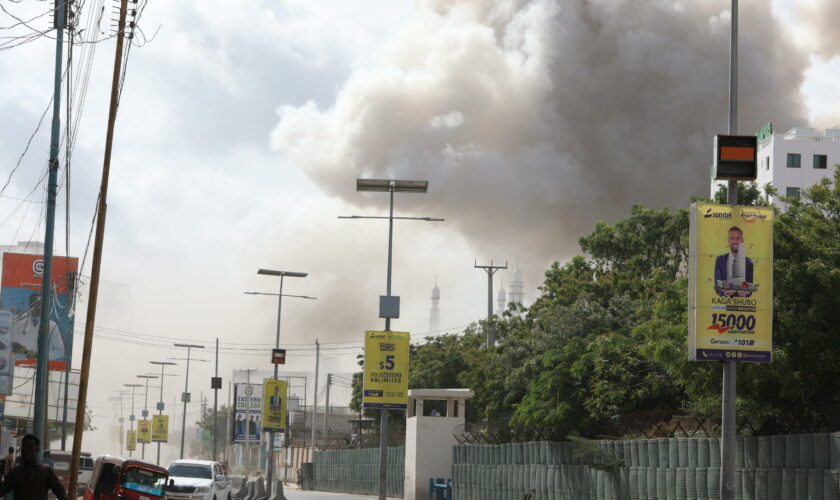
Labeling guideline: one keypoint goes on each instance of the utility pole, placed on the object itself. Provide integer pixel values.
(185, 397)
(102, 208)
(728, 430)
(325, 439)
(131, 415)
(216, 384)
(145, 413)
(491, 270)
(315, 397)
(42, 362)
(160, 405)
(388, 304)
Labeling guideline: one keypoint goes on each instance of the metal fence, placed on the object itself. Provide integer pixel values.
(782, 467)
(357, 471)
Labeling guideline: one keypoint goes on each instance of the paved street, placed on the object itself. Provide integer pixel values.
(318, 495)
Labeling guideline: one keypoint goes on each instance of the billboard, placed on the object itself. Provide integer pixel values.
(247, 418)
(131, 441)
(20, 309)
(160, 428)
(274, 404)
(730, 283)
(386, 370)
(144, 431)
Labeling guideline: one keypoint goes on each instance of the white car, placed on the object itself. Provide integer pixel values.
(197, 480)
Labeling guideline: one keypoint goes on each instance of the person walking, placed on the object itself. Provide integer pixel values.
(31, 480)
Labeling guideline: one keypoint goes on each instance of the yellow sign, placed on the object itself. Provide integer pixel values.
(274, 404)
(160, 428)
(132, 441)
(386, 370)
(144, 431)
(730, 283)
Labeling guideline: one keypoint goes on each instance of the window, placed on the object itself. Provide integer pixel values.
(792, 192)
(820, 161)
(767, 163)
(793, 160)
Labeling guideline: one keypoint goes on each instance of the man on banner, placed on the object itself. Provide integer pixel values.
(275, 402)
(734, 269)
(25, 332)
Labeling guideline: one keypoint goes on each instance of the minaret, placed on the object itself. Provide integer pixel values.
(501, 301)
(434, 314)
(517, 287)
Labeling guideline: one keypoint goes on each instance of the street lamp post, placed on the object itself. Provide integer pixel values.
(131, 415)
(268, 272)
(388, 307)
(163, 365)
(185, 397)
(145, 413)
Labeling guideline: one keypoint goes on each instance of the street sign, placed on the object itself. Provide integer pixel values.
(278, 356)
(274, 404)
(131, 441)
(386, 370)
(159, 407)
(730, 283)
(215, 382)
(144, 431)
(735, 158)
(185, 397)
(160, 428)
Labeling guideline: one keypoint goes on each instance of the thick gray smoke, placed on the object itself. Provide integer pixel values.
(819, 24)
(534, 119)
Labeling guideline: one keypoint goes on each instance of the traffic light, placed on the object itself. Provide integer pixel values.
(735, 158)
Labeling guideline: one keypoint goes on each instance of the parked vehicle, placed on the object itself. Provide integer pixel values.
(197, 480)
(60, 461)
(115, 478)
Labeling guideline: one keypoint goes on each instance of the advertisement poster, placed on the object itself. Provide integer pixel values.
(730, 283)
(131, 442)
(160, 428)
(247, 421)
(274, 404)
(144, 431)
(386, 370)
(20, 311)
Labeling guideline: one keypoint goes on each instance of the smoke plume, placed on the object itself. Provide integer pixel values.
(532, 119)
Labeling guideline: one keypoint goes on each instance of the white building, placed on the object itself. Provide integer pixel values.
(795, 160)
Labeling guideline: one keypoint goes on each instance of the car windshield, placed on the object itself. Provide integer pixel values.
(190, 470)
(144, 481)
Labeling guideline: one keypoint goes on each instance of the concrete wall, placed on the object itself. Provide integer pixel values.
(430, 455)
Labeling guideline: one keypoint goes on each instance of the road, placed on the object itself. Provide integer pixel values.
(320, 495)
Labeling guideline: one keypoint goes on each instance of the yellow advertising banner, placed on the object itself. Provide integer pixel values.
(132, 441)
(386, 370)
(144, 431)
(160, 428)
(274, 404)
(730, 283)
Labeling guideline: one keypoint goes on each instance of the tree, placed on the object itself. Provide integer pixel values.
(222, 432)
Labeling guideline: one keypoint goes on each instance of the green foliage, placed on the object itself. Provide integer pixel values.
(607, 336)
(748, 194)
(594, 456)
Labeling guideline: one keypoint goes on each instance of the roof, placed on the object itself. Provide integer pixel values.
(188, 461)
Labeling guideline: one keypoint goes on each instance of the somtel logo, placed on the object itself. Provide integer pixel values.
(38, 268)
(717, 215)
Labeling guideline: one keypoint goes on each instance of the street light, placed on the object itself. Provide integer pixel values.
(282, 274)
(131, 415)
(145, 413)
(388, 306)
(185, 397)
(163, 365)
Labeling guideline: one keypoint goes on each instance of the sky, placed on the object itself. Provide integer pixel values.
(243, 125)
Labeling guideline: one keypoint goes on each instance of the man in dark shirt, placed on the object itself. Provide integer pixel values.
(31, 480)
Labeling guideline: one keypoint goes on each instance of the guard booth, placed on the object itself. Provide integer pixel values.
(433, 416)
